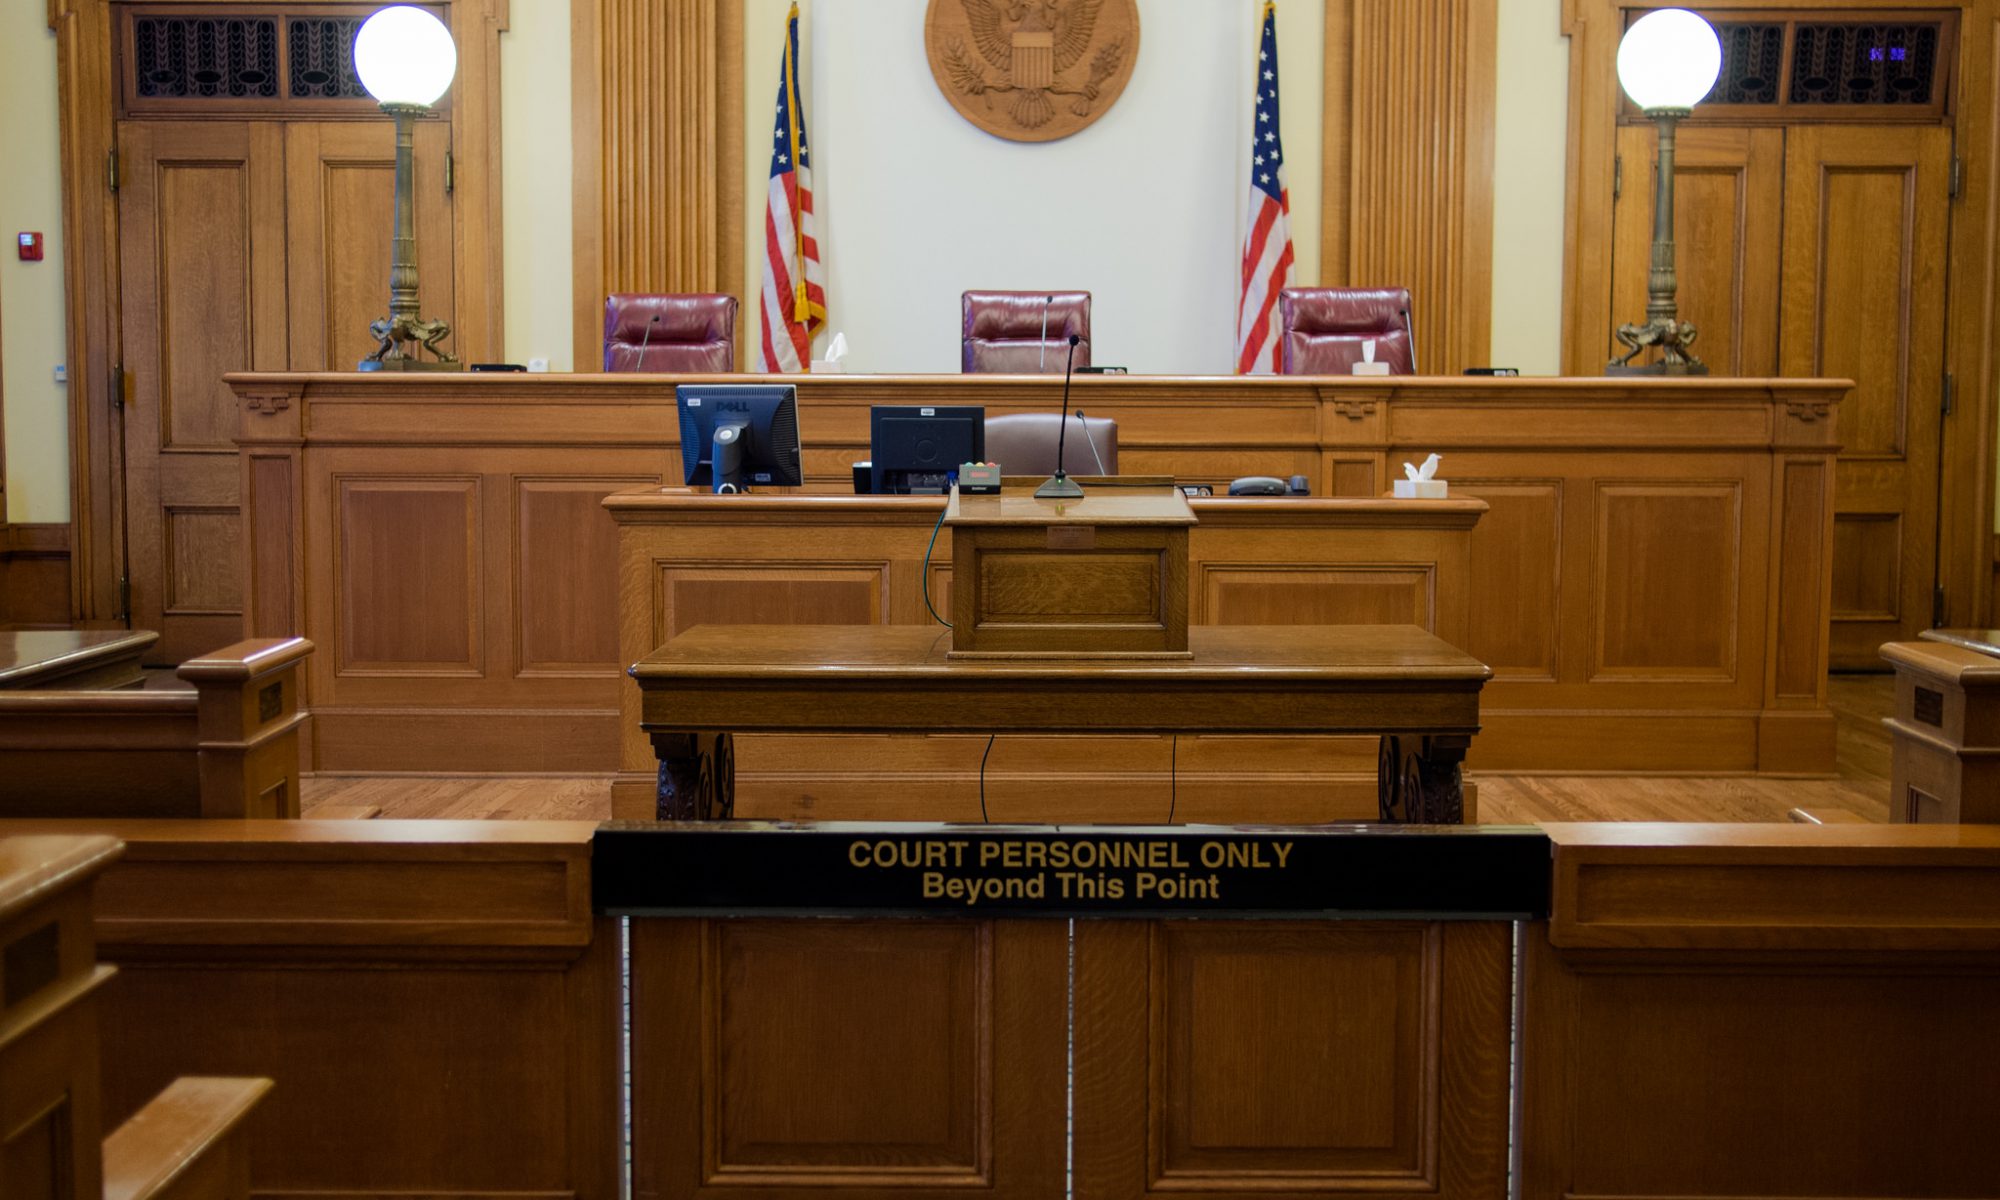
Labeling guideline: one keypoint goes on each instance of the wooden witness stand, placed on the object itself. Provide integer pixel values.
(1068, 617)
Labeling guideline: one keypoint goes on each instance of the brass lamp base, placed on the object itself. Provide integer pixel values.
(1671, 337)
(402, 341)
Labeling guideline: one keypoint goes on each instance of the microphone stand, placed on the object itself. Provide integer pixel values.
(1060, 486)
(639, 363)
(1042, 364)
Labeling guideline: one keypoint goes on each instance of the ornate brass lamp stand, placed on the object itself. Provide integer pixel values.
(406, 59)
(1667, 61)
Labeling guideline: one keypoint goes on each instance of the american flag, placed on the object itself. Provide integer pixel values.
(794, 287)
(1267, 242)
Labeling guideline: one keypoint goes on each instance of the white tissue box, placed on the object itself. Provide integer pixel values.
(821, 366)
(1420, 489)
(1371, 368)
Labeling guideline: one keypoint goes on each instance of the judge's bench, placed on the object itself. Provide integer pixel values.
(1648, 579)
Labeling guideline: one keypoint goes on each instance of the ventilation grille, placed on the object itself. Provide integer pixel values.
(321, 53)
(232, 58)
(1753, 56)
(1864, 64)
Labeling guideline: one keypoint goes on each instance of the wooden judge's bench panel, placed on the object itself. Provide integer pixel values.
(1650, 583)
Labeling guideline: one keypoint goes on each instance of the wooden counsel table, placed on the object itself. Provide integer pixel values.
(1398, 681)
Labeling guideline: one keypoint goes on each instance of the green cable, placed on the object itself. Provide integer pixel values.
(927, 566)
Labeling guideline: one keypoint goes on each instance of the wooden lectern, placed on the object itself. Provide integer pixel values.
(1102, 576)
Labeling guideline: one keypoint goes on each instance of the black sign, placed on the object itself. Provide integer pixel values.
(735, 868)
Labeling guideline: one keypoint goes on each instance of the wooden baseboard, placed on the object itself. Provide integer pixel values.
(34, 575)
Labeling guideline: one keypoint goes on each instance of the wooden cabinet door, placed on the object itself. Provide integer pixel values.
(202, 275)
(1728, 191)
(1866, 209)
(340, 182)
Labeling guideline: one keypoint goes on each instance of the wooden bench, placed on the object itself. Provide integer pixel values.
(188, 1143)
(227, 748)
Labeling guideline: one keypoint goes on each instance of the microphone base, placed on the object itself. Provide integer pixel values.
(1059, 487)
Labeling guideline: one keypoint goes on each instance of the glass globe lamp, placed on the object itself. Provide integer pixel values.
(405, 58)
(1667, 62)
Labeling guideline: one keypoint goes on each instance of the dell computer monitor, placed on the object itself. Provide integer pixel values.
(919, 448)
(736, 435)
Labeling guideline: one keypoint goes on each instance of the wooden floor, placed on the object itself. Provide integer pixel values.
(1859, 703)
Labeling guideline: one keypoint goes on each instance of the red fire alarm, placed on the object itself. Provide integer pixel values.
(31, 247)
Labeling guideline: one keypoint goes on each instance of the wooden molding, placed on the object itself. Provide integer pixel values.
(657, 112)
(1407, 165)
(46, 538)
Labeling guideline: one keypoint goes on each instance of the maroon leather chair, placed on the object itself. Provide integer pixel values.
(1323, 329)
(1002, 331)
(691, 335)
(1025, 443)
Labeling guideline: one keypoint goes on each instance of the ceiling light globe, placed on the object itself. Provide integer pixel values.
(1669, 58)
(405, 55)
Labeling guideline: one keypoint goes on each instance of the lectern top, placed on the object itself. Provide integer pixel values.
(1100, 505)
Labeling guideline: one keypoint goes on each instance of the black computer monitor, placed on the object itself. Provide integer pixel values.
(919, 448)
(735, 435)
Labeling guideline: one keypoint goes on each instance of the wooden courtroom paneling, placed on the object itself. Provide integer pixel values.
(1222, 1057)
(1653, 549)
(105, 313)
(434, 1000)
(203, 259)
(1407, 165)
(1728, 204)
(658, 180)
(340, 194)
(1838, 980)
(1862, 282)
(558, 539)
(901, 1057)
(1865, 234)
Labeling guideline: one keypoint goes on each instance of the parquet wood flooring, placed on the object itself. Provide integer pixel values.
(1859, 703)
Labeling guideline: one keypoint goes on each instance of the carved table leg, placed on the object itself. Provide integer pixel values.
(1417, 778)
(697, 779)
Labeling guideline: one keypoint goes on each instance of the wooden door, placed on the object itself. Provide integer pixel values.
(1728, 194)
(1866, 210)
(202, 270)
(340, 181)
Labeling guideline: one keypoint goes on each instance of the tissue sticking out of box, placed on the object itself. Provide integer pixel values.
(1368, 365)
(836, 353)
(1419, 482)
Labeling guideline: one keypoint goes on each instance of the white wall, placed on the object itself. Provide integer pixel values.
(31, 293)
(535, 171)
(1531, 109)
(1142, 208)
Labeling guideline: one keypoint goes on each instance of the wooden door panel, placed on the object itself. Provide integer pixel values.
(1728, 192)
(1866, 211)
(340, 190)
(202, 269)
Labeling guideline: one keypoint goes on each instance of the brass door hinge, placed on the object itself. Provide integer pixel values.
(118, 386)
(1956, 179)
(111, 168)
(1617, 176)
(450, 173)
(125, 598)
(1937, 607)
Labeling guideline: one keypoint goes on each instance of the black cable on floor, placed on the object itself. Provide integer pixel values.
(926, 570)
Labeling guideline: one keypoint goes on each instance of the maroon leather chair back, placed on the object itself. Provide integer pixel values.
(1002, 332)
(1025, 443)
(695, 334)
(1324, 328)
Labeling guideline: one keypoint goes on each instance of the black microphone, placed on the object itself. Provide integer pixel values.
(640, 363)
(1042, 366)
(1084, 424)
(1060, 486)
(1411, 331)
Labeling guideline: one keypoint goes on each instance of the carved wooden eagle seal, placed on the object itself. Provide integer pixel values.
(1032, 70)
